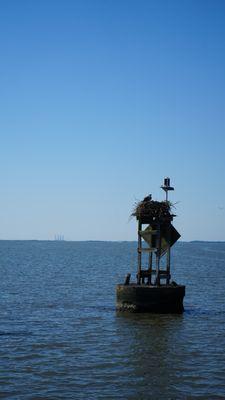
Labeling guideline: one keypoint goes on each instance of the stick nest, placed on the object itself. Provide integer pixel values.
(155, 210)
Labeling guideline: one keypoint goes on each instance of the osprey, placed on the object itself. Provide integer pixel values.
(148, 198)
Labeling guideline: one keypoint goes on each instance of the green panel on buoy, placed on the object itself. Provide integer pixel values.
(149, 235)
(169, 236)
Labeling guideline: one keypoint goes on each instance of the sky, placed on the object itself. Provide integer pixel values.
(99, 101)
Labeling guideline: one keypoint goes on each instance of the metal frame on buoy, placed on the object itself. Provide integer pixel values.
(160, 235)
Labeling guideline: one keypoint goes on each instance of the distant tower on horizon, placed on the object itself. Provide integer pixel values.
(59, 238)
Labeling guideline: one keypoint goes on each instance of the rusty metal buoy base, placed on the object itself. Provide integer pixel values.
(152, 299)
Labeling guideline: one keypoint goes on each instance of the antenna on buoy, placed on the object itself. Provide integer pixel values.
(166, 186)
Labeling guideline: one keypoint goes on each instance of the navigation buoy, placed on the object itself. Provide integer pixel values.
(153, 290)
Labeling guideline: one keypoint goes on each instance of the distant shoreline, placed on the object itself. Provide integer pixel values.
(103, 241)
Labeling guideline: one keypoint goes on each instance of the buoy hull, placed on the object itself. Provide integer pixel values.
(152, 299)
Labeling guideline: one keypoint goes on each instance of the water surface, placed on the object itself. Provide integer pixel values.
(60, 337)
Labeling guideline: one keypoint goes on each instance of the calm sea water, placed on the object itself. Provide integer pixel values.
(60, 337)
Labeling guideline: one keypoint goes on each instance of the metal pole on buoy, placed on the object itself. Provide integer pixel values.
(166, 187)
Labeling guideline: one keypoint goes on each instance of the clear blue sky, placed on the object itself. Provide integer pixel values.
(100, 100)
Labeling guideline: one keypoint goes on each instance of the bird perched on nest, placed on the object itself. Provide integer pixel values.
(148, 198)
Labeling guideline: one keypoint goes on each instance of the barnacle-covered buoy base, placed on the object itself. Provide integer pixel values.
(136, 298)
